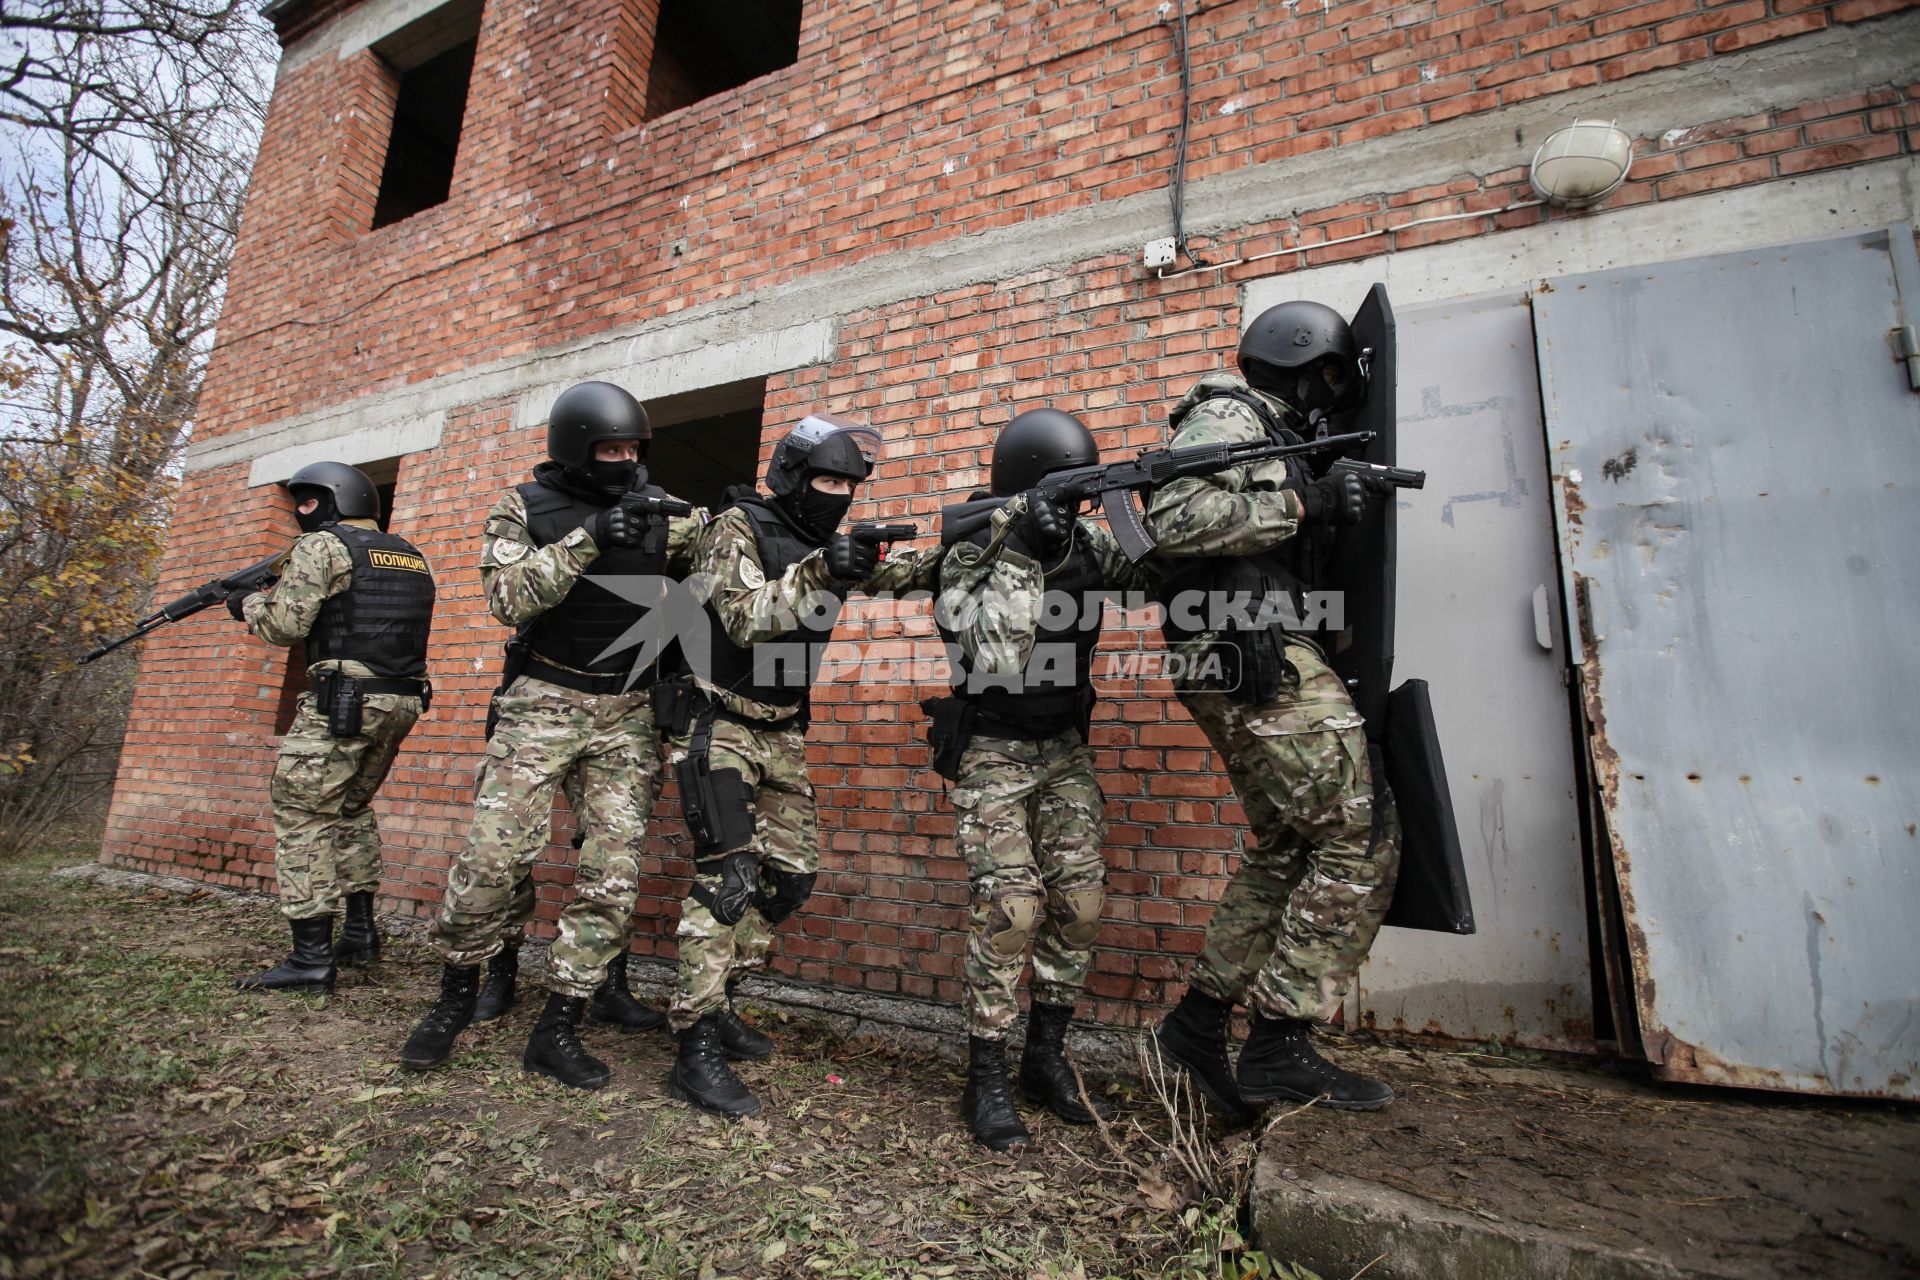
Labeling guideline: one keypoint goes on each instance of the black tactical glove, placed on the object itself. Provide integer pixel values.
(1340, 498)
(614, 527)
(1046, 524)
(237, 603)
(851, 560)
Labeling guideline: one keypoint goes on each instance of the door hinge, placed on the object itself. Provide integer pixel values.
(1909, 343)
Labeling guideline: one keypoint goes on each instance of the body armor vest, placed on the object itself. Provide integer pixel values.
(776, 672)
(576, 632)
(384, 616)
(1056, 692)
(1235, 593)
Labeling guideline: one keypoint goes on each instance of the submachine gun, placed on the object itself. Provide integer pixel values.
(1114, 484)
(255, 577)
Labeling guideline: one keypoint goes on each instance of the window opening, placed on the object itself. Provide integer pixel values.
(432, 60)
(705, 47)
(704, 441)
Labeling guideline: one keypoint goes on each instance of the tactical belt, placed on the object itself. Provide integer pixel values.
(578, 681)
(325, 684)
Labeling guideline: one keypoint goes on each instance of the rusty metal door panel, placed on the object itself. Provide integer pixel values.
(1476, 565)
(1736, 456)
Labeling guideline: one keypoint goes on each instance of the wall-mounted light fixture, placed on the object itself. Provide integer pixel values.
(1582, 164)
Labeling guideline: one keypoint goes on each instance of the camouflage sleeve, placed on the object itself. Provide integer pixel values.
(318, 566)
(522, 581)
(1235, 513)
(683, 539)
(906, 570)
(751, 608)
(991, 596)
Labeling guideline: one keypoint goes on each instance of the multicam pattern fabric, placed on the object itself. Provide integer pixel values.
(604, 750)
(1306, 903)
(327, 842)
(1031, 825)
(755, 609)
(786, 837)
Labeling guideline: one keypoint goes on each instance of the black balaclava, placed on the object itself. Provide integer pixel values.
(817, 513)
(321, 516)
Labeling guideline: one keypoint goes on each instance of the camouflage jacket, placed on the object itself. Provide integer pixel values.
(522, 581)
(996, 593)
(317, 566)
(1239, 512)
(755, 609)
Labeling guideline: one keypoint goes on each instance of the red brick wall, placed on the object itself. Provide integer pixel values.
(557, 227)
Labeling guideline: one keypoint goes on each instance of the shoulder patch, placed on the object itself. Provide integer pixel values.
(752, 576)
(508, 550)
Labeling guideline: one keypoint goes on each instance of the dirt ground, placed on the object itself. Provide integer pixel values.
(154, 1121)
(1723, 1182)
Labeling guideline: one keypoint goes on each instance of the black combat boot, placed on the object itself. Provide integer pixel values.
(309, 969)
(985, 1101)
(496, 993)
(359, 936)
(432, 1040)
(702, 1077)
(555, 1050)
(1278, 1062)
(614, 1006)
(1194, 1038)
(1045, 1077)
(738, 1040)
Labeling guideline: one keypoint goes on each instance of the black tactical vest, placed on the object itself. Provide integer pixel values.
(576, 632)
(1056, 692)
(384, 616)
(1227, 592)
(776, 672)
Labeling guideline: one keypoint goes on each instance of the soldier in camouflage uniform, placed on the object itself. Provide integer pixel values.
(363, 602)
(779, 570)
(569, 560)
(1308, 898)
(1032, 819)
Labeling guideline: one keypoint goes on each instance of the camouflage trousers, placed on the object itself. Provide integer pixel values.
(1031, 825)
(1303, 909)
(786, 837)
(603, 749)
(326, 842)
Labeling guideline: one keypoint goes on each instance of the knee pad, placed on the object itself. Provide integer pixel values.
(1077, 912)
(786, 893)
(1010, 923)
(739, 886)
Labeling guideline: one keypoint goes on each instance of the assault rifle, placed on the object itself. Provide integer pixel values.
(873, 534)
(255, 577)
(1114, 484)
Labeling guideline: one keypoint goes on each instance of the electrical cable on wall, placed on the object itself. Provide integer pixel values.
(1180, 146)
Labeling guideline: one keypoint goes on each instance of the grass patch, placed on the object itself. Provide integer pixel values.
(155, 1120)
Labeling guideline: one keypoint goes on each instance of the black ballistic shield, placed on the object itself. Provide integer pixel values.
(1362, 565)
(1432, 892)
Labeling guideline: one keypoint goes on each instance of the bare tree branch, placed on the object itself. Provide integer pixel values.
(127, 128)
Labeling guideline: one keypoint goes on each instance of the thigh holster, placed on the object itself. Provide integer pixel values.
(717, 803)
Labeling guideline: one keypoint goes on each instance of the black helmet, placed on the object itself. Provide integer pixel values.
(345, 493)
(1037, 443)
(1281, 344)
(821, 445)
(586, 415)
